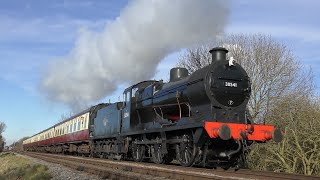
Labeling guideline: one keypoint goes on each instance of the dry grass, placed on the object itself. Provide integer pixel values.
(14, 167)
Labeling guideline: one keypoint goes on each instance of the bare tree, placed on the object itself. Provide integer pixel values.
(2, 140)
(18, 146)
(65, 116)
(2, 127)
(273, 69)
(196, 58)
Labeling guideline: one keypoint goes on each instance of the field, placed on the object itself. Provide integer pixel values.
(15, 167)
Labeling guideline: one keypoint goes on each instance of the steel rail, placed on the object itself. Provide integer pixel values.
(134, 170)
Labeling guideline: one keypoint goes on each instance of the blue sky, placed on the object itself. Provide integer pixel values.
(34, 32)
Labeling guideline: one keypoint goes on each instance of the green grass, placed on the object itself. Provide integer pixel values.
(13, 167)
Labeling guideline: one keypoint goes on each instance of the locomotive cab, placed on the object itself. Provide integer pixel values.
(130, 115)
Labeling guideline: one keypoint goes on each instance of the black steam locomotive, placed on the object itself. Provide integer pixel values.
(195, 119)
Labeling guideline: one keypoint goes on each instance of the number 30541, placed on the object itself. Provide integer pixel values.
(231, 84)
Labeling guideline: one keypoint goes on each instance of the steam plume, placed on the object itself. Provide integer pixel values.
(130, 47)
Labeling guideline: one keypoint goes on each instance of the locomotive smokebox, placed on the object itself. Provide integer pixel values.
(178, 73)
(218, 54)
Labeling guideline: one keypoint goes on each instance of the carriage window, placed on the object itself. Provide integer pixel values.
(70, 128)
(67, 129)
(79, 125)
(74, 126)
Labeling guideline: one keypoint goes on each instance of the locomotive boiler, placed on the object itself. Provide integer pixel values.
(218, 92)
(198, 118)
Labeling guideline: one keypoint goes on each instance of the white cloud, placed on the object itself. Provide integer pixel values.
(59, 29)
(303, 33)
(73, 4)
(28, 44)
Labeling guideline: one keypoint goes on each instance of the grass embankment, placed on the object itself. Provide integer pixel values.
(15, 167)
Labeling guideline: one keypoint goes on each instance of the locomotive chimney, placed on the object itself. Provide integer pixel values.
(218, 53)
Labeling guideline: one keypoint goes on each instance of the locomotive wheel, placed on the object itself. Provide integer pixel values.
(157, 156)
(186, 152)
(138, 152)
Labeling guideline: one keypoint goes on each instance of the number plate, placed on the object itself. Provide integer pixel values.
(231, 84)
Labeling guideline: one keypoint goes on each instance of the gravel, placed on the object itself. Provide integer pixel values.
(60, 172)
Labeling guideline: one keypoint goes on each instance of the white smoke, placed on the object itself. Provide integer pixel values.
(130, 47)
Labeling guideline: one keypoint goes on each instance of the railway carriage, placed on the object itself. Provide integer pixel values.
(197, 118)
(68, 136)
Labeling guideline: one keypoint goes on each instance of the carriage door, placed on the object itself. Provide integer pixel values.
(125, 125)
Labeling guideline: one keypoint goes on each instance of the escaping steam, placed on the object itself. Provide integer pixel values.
(130, 47)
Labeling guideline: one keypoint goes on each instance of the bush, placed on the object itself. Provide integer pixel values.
(299, 152)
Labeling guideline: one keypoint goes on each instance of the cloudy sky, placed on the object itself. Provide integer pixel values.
(34, 33)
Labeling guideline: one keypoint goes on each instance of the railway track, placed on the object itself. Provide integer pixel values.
(131, 170)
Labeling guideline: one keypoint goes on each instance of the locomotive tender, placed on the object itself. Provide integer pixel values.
(199, 119)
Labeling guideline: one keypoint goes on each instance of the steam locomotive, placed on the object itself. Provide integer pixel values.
(195, 119)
